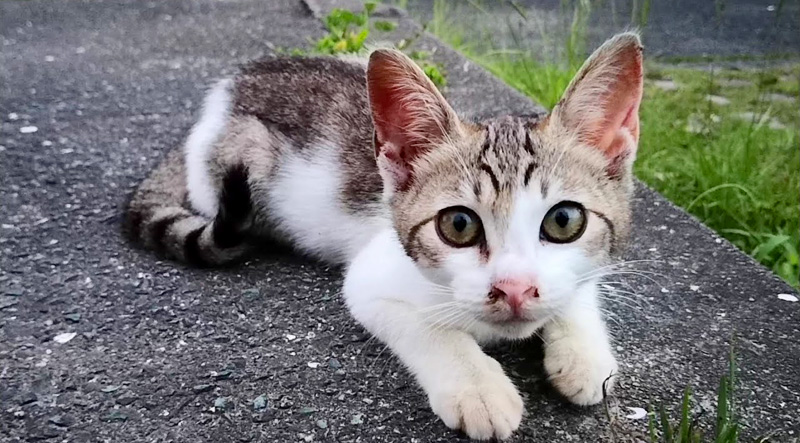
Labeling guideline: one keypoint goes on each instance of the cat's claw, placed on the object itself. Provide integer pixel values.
(486, 406)
(580, 373)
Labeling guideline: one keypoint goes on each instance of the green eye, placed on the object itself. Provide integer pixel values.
(459, 227)
(564, 223)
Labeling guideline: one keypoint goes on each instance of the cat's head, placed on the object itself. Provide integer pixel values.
(512, 215)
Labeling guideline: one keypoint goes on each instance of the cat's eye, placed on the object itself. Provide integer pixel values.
(564, 222)
(459, 227)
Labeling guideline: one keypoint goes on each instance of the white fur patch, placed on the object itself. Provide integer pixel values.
(306, 200)
(198, 147)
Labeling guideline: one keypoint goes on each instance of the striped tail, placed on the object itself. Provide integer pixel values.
(157, 216)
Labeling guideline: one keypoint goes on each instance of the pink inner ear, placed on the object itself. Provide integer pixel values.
(392, 130)
(602, 106)
(408, 113)
(618, 136)
(620, 126)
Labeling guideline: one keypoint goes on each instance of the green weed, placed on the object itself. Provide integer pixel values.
(687, 430)
(348, 32)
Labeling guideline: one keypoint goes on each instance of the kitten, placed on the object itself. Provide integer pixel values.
(454, 233)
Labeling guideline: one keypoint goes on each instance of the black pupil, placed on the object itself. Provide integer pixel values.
(562, 218)
(460, 222)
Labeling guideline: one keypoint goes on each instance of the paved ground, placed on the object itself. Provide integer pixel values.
(674, 28)
(165, 353)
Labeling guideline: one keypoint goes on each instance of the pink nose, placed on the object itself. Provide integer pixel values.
(514, 292)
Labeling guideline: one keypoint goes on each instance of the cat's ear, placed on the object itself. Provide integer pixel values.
(601, 104)
(409, 113)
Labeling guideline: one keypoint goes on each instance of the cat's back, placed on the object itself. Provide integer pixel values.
(306, 98)
(302, 128)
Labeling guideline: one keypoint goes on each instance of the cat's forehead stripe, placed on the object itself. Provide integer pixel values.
(508, 151)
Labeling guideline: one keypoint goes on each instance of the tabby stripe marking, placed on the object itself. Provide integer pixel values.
(528, 171)
(412, 235)
(612, 231)
(488, 170)
(191, 248)
(529, 144)
(159, 230)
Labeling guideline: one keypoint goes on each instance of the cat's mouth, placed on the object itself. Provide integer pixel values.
(516, 327)
(510, 318)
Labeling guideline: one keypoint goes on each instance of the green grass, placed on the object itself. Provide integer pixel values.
(349, 30)
(661, 429)
(740, 177)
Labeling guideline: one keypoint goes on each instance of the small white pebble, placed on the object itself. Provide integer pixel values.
(47, 143)
(13, 116)
(636, 413)
(787, 297)
(771, 8)
(664, 290)
(666, 85)
(28, 129)
(64, 337)
(694, 287)
(717, 240)
(290, 337)
(653, 249)
(49, 58)
(80, 50)
(718, 100)
(313, 365)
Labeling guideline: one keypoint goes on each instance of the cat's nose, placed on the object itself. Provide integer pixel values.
(514, 292)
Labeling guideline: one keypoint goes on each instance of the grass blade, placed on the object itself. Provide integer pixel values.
(722, 406)
(685, 423)
(666, 428)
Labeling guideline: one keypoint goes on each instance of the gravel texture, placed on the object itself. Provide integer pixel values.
(100, 341)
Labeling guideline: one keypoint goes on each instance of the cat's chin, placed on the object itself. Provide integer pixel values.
(491, 330)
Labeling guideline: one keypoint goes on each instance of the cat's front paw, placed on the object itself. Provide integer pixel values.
(484, 405)
(579, 371)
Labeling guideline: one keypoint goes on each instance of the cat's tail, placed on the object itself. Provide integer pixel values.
(158, 216)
